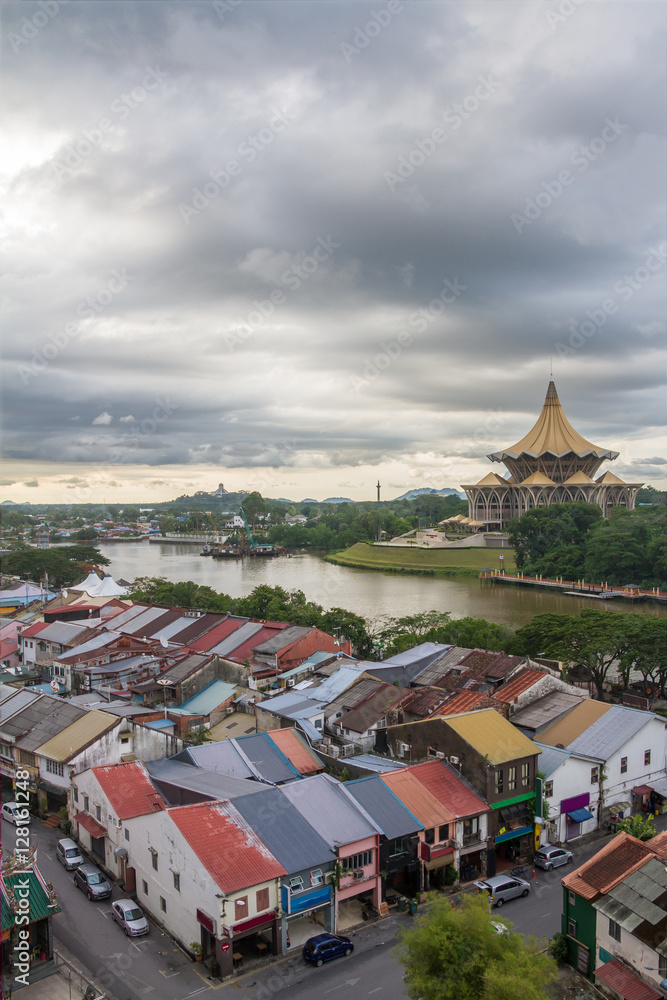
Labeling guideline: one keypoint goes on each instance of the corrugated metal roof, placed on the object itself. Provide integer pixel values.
(378, 765)
(78, 736)
(418, 799)
(350, 698)
(564, 731)
(323, 802)
(125, 616)
(386, 808)
(450, 788)
(266, 758)
(521, 682)
(223, 758)
(245, 860)
(551, 758)
(206, 700)
(56, 715)
(166, 628)
(279, 825)
(129, 789)
(424, 651)
(95, 642)
(610, 732)
(18, 700)
(373, 709)
(294, 747)
(236, 724)
(212, 784)
(188, 665)
(312, 732)
(436, 670)
(246, 649)
(492, 736)
(619, 978)
(336, 684)
(463, 701)
(292, 704)
(61, 632)
(196, 627)
(216, 635)
(546, 709)
(283, 639)
(135, 624)
(237, 637)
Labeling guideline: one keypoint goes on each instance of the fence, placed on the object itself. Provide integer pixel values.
(83, 987)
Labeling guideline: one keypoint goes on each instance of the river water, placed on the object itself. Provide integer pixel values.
(366, 592)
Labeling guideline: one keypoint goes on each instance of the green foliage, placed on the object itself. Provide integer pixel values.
(540, 533)
(641, 827)
(399, 634)
(65, 564)
(628, 548)
(558, 948)
(197, 737)
(457, 954)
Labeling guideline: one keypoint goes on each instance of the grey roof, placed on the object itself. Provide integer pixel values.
(424, 651)
(167, 631)
(266, 759)
(611, 731)
(312, 732)
(284, 638)
(124, 663)
(18, 701)
(330, 809)
(545, 710)
(237, 638)
(291, 705)
(147, 616)
(639, 898)
(282, 828)
(95, 642)
(371, 762)
(223, 758)
(125, 616)
(386, 809)
(338, 682)
(41, 721)
(183, 668)
(407, 666)
(61, 632)
(438, 667)
(551, 758)
(196, 779)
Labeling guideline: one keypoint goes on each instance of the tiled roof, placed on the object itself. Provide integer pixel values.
(449, 787)
(39, 905)
(479, 659)
(564, 731)
(424, 702)
(417, 798)
(129, 789)
(492, 736)
(297, 751)
(521, 682)
(244, 862)
(624, 982)
(436, 671)
(610, 865)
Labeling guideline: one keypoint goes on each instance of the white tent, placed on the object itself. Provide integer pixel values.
(109, 588)
(91, 585)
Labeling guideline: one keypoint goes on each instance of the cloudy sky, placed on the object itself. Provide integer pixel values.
(297, 247)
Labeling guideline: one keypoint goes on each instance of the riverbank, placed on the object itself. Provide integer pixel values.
(429, 562)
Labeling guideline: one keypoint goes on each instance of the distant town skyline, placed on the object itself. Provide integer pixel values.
(297, 247)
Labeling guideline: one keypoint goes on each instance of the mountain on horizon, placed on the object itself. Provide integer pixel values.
(337, 500)
(424, 490)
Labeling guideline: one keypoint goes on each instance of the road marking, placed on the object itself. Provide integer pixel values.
(349, 982)
(375, 991)
(546, 914)
(168, 975)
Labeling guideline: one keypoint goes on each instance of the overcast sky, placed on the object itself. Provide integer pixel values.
(297, 247)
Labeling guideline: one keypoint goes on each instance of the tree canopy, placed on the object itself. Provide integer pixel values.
(64, 564)
(463, 953)
(398, 634)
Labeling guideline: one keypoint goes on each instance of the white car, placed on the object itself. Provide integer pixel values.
(130, 917)
(14, 813)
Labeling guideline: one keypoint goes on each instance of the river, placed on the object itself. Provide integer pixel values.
(366, 592)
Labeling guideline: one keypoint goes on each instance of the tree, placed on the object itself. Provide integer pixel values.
(64, 565)
(458, 954)
(537, 533)
(253, 505)
(643, 828)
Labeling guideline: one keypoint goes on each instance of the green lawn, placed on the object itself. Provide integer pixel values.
(443, 562)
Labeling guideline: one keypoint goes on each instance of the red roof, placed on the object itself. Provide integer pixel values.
(243, 651)
(219, 632)
(244, 861)
(295, 748)
(624, 982)
(90, 824)
(521, 682)
(34, 629)
(612, 863)
(443, 782)
(464, 701)
(129, 789)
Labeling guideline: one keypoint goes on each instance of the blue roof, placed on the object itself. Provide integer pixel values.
(282, 828)
(333, 686)
(610, 732)
(580, 815)
(206, 700)
(384, 807)
(160, 724)
(551, 758)
(312, 732)
(379, 765)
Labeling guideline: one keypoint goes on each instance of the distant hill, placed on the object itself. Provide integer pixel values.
(424, 490)
(337, 500)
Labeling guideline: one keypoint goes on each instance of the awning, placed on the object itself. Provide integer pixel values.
(619, 807)
(510, 814)
(624, 982)
(121, 852)
(439, 862)
(642, 790)
(580, 815)
(92, 826)
(659, 786)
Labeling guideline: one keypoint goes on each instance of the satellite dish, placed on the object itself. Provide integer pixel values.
(164, 642)
(64, 593)
(55, 687)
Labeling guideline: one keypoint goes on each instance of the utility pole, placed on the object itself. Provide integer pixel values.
(378, 524)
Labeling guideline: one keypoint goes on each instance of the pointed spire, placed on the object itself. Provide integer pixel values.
(551, 397)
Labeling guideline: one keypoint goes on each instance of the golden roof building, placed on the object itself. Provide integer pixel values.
(553, 463)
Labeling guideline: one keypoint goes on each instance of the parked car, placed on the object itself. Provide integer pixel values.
(552, 857)
(323, 947)
(503, 887)
(91, 881)
(130, 917)
(14, 813)
(68, 854)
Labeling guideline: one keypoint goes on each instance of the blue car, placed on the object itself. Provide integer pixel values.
(324, 947)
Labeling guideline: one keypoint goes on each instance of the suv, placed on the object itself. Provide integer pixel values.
(91, 881)
(68, 854)
(552, 857)
(324, 947)
(503, 887)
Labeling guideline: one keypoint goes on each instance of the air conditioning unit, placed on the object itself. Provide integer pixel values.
(439, 754)
(291, 682)
(358, 873)
(230, 710)
(454, 760)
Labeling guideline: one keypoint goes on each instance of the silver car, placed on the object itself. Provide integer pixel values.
(130, 917)
(91, 881)
(503, 887)
(552, 857)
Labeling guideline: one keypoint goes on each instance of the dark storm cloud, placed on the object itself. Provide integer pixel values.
(236, 212)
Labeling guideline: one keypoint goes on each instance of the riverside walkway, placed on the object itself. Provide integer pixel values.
(577, 588)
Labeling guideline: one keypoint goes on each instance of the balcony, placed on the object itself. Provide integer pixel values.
(429, 852)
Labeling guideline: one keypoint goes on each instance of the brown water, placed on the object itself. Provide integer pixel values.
(366, 592)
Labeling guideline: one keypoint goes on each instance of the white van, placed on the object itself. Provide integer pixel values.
(68, 854)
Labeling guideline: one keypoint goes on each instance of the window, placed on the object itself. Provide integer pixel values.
(262, 900)
(614, 930)
(27, 758)
(359, 860)
(429, 836)
(53, 767)
(570, 898)
(572, 928)
(525, 775)
(647, 758)
(153, 858)
(177, 881)
(624, 765)
(399, 846)
(595, 775)
(471, 827)
(662, 966)
(548, 789)
(511, 779)
(98, 812)
(443, 834)
(75, 793)
(316, 877)
(499, 781)
(241, 908)
(163, 904)
(296, 884)
(127, 833)
(86, 803)
(144, 886)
